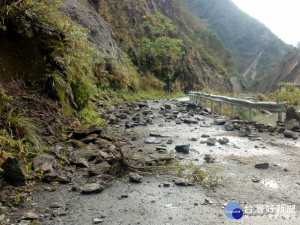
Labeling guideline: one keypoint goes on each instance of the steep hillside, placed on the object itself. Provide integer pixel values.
(254, 46)
(193, 55)
(287, 70)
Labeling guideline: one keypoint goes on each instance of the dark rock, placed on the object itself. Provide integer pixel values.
(262, 165)
(280, 130)
(56, 176)
(161, 148)
(209, 159)
(142, 105)
(44, 161)
(149, 121)
(292, 124)
(166, 184)
(182, 148)
(190, 121)
(211, 141)
(84, 133)
(223, 141)
(13, 173)
(219, 121)
(245, 132)
(291, 113)
(205, 136)
(157, 135)
(90, 138)
(91, 188)
(289, 134)
(194, 139)
(122, 116)
(168, 106)
(135, 177)
(229, 127)
(191, 106)
(255, 180)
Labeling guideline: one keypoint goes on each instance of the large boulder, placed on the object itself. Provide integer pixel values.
(182, 148)
(292, 114)
(13, 173)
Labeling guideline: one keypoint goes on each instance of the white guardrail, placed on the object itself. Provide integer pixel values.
(201, 98)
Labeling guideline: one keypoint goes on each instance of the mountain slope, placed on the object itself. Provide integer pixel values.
(254, 46)
(287, 70)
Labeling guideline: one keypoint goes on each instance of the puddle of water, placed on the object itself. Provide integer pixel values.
(270, 183)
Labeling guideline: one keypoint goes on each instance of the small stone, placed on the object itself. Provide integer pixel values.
(124, 196)
(97, 221)
(209, 159)
(219, 121)
(183, 182)
(55, 176)
(288, 134)
(178, 121)
(211, 141)
(262, 166)
(191, 106)
(30, 216)
(223, 141)
(167, 106)
(190, 121)
(44, 162)
(182, 148)
(91, 188)
(245, 132)
(229, 127)
(166, 184)
(152, 140)
(292, 124)
(255, 180)
(194, 139)
(135, 177)
(205, 136)
(169, 142)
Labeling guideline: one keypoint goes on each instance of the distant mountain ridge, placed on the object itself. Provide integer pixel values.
(254, 46)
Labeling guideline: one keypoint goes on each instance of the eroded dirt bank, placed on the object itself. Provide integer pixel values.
(147, 132)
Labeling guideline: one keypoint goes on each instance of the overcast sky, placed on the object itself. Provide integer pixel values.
(282, 17)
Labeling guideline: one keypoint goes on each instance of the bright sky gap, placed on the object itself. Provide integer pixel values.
(280, 16)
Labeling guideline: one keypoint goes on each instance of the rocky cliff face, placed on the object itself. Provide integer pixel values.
(100, 33)
(288, 70)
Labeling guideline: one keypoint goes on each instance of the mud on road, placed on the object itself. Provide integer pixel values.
(259, 169)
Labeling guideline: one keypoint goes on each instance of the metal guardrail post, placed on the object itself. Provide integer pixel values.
(212, 106)
(250, 114)
(232, 110)
(280, 117)
(201, 101)
(221, 108)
